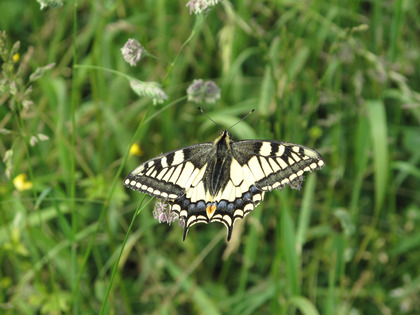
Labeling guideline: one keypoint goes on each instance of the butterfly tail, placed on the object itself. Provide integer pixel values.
(185, 232)
(229, 232)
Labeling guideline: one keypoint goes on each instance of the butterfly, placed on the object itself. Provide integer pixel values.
(222, 181)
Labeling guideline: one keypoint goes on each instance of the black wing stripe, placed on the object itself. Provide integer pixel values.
(170, 159)
(274, 148)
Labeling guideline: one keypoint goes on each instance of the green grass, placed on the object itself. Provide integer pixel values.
(341, 77)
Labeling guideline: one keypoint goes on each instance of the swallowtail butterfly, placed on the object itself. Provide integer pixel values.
(224, 180)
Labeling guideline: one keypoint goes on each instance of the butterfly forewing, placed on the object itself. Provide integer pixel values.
(168, 175)
(275, 164)
(222, 181)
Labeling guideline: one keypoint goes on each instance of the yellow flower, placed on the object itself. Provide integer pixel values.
(135, 150)
(16, 57)
(21, 182)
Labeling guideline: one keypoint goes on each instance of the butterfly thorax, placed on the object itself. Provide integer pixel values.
(222, 144)
(218, 168)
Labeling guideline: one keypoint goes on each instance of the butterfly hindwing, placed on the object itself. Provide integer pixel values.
(235, 198)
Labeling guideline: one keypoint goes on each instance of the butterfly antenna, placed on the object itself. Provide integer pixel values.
(242, 119)
(199, 108)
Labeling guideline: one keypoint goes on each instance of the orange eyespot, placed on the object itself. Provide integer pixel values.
(210, 210)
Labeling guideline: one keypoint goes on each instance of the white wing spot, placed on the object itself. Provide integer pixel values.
(256, 197)
(232, 195)
(285, 181)
(267, 188)
(248, 178)
(227, 192)
(168, 174)
(274, 165)
(197, 192)
(280, 152)
(185, 175)
(292, 177)
(238, 192)
(255, 168)
(236, 174)
(245, 185)
(275, 185)
(138, 170)
(191, 178)
(249, 207)
(199, 176)
(311, 153)
(282, 163)
(296, 157)
(160, 175)
(191, 219)
(266, 167)
(175, 175)
(265, 149)
(227, 219)
(178, 157)
(238, 213)
(164, 162)
(189, 192)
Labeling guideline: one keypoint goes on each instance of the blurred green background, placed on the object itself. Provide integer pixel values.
(341, 77)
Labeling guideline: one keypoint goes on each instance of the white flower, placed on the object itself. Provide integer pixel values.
(163, 213)
(201, 6)
(150, 89)
(201, 91)
(132, 51)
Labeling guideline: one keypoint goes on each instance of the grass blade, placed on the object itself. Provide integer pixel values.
(378, 132)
